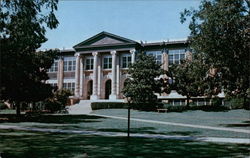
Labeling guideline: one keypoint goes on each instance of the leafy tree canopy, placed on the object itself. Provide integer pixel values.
(221, 30)
(142, 85)
(193, 78)
(23, 25)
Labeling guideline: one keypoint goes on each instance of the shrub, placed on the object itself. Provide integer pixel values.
(3, 106)
(203, 108)
(238, 103)
(108, 105)
(136, 106)
(216, 101)
(58, 101)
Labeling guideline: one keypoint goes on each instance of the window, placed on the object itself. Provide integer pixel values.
(107, 62)
(176, 55)
(89, 64)
(126, 60)
(69, 64)
(157, 55)
(54, 67)
(70, 86)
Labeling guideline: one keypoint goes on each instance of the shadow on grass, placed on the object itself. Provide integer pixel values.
(243, 124)
(49, 118)
(72, 145)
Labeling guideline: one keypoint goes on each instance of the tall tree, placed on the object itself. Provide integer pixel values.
(23, 25)
(143, 84)
(192, 78)
(221, 30)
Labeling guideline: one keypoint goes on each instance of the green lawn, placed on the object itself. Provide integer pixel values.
(20, 143)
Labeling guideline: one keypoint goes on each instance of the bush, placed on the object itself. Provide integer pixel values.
(108, 105)
(136, 106)
(3, 106)
(216, 101)
(238, 103)
(58, 101)
(203, 108)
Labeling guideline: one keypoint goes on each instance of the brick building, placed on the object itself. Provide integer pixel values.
(97, 67)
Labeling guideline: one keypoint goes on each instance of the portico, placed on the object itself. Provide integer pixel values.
(100, 61)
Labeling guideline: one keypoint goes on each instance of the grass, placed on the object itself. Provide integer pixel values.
(18, 143)
(40, 145)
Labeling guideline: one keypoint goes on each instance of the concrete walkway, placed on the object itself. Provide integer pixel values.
(177, 124)
(83, 107)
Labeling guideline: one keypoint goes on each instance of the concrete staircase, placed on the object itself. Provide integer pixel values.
(83, 107)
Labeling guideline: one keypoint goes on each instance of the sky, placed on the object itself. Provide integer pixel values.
(139, 20)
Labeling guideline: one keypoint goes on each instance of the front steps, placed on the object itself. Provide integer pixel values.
(84, 106)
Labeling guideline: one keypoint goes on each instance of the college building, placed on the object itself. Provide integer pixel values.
(97, 68)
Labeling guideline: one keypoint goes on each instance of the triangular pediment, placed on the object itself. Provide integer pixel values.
(107, 40)
(104, 39)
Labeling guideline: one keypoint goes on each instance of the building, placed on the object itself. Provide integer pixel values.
(97, 67)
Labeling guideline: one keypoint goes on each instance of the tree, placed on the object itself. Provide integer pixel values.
(24, 70)
(192, 78)
(143, 84)
(221, 30)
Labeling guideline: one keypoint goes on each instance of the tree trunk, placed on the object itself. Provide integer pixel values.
(18, 110)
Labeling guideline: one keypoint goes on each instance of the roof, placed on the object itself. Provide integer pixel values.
(104, 39)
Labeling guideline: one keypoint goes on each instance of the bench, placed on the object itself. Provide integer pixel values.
(162, 110)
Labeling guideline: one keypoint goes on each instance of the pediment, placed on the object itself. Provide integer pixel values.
(104, 39)
(107, 40)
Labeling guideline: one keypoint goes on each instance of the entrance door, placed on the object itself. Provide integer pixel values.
(89, 89)
(107, 89)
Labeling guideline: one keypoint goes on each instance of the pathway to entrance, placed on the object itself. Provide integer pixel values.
(84, 106)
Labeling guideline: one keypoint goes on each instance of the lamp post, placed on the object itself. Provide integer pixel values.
(128, 98)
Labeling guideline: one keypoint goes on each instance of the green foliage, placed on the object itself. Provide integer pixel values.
(58, 101)
(136, 106)
(220, 29)
(216, 101)
(239, 103)
(23, 26)
(142, 85)
(203, 108)
(3, 106)
(191, 78)
(108, 105)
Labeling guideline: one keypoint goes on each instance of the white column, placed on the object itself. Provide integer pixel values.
(81, 77)
(113, 86)
(77, 75)
(60, 73)
(132, 51)
(165, 60)
(118, 77)
(94, 94)
(99, 79)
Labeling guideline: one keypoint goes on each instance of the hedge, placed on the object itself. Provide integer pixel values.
(136, 106)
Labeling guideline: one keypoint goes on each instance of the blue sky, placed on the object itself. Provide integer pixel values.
(148, 20)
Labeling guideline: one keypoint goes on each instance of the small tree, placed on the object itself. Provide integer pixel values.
(192, 79)
(143, 84)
